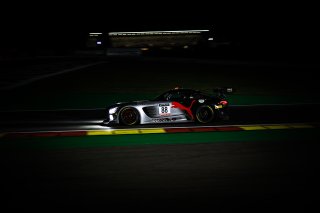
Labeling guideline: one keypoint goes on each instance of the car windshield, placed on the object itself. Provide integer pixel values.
(163, 97)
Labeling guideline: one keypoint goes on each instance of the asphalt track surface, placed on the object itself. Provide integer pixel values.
(241, 176)
(259, 176)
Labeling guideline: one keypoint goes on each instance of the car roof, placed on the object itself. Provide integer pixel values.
(183, 90)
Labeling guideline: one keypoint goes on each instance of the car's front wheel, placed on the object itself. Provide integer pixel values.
(129, 116)
(205, 114)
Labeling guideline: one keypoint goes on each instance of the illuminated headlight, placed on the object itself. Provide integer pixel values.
(113, 110)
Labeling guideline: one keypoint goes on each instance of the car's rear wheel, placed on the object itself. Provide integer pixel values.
(205, 114)
(129, 116)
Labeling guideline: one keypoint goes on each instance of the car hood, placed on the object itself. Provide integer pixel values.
(134, 103)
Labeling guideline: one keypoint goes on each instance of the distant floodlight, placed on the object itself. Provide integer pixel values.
(99, 42)
(210, 39)
(158, 32)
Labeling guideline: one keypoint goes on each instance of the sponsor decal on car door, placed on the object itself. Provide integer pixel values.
(164, 109)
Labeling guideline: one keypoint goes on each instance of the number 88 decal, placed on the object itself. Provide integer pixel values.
(164, 110)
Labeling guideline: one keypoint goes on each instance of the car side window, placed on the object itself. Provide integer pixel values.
(174, 96)
(166, 96)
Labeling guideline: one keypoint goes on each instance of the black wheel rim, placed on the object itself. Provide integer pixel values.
(205, 114)
(129, 116)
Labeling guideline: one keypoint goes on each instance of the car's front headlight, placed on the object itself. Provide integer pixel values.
(113, 110)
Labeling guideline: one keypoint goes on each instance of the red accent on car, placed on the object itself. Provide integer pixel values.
(182, 107)
(223, 102)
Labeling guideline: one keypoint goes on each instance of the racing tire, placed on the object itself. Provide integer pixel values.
(129, 116)
(205, 114)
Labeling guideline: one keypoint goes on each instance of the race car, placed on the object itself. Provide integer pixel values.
(174, 106)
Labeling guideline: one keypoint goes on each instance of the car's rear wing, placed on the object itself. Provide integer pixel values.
(222, 92)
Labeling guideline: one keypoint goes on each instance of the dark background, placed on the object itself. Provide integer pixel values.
(269, 31)
(286, 31)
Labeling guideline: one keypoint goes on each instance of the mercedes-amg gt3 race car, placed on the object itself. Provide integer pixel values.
(173, 106)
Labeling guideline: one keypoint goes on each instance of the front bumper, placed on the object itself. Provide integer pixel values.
(111, 116)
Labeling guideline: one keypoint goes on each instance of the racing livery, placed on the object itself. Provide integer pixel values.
(174, 106)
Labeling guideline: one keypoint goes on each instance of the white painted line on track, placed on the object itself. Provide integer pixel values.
(31, 80)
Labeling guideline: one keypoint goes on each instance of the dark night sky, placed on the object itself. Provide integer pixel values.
(291, 27)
